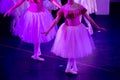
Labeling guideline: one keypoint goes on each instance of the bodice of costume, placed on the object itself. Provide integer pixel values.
(71, 12)
(36, 1)
(47, 4)
(36, 5)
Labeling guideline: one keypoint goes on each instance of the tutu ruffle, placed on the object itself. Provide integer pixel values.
(49, 5)
(73, 42)
(22, 8)
(32, 24)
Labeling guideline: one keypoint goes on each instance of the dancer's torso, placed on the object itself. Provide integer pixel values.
(36, 5)
(72, 14)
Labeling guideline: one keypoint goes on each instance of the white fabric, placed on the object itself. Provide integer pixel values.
(90, 5)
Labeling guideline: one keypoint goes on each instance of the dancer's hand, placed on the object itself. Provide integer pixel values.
(100, 28)
(7, 13)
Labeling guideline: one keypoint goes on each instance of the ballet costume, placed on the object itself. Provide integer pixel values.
(30, 27)
(72, 42)
(32, 24)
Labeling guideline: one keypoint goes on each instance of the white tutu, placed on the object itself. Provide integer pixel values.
(22, 8)
(49, 5)
(73, 42)
(90, 5)
(32, 24)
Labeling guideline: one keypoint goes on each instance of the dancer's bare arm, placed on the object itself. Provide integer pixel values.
(56, 3)
(18, 3)
(93, 22)
(56, 20)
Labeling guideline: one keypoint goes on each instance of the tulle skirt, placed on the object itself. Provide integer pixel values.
(22, 8)
(31, 24)
(73, 42)
(50, 6)
(90, 5)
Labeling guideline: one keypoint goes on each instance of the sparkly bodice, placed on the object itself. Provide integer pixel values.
(72, 11)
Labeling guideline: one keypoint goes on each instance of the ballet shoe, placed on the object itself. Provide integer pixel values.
(37, 58)
(67, 70)
(38, 53)
(75, 69)
(71, 71)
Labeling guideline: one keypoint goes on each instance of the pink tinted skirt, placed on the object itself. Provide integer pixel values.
(73, 42)
(31, 24)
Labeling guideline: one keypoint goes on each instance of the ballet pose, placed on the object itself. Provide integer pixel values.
(72, 40)
(32, 22)
(91, 7)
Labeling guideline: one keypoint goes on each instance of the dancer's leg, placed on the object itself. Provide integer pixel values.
(36, 55)
(39, 50)
(74, 65)
(68, 67)
(71, 66)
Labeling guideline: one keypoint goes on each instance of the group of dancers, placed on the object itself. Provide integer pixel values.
(35, 25)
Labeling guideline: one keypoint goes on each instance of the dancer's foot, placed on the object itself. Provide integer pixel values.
(67, 70)
(37, 58)
(71, 71)
(39, 53)
(74, 68)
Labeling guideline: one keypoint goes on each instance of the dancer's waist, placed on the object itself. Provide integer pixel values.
(74, 24)
(36, 8)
